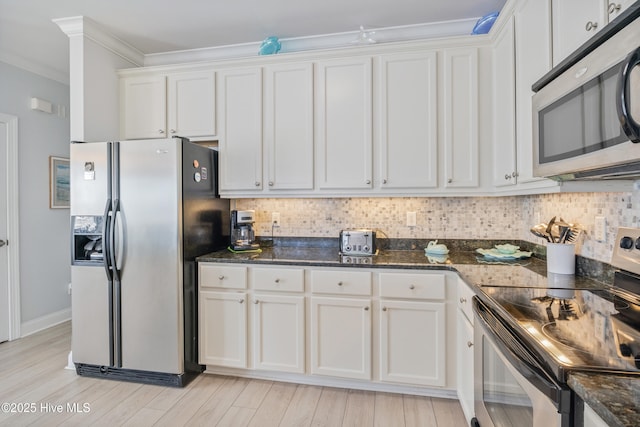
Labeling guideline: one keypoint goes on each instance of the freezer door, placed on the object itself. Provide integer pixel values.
(90, 316)
(148, 250)
(89, 174)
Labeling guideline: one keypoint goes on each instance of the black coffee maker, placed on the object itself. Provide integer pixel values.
(242, 234)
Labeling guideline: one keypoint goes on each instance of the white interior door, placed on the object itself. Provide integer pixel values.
(4, 254)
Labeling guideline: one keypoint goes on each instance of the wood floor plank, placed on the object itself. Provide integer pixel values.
(145, 417)
(418, 411)
(302, 407)
(129, 407)
(274, 405)
(217, 405)
(236, 416)
(360, 407)
(330, 408)
(448, 412)
(389, 410)
(253, 394)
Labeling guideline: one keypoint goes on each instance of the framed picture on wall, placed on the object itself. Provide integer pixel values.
(59, 183)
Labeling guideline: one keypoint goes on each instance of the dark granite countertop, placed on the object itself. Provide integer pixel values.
(600, 391)
(615, 398)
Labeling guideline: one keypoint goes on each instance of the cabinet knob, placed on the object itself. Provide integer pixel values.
(339, 283)
(368, 181)
(257, 184)
(591, 26)
(277, 280)
(384, 181)
(384, 308)
(270, 183)
(515, 174)
(366, 309)
(469, 344)
(613, 8)
(412, 287)
(507, 176)
(241, 301)
(160, 131)
(172, 131)
(220, 277)
(256, 301)
(450, 180)
(462, 300)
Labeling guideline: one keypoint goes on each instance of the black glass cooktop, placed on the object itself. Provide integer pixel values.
(572, 328)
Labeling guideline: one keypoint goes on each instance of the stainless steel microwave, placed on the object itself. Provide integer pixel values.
(586, 119)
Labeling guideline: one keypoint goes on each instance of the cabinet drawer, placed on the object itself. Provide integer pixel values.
(278, 279)
(223, 276)
(341, 282)
(412, 285)
(464, 300)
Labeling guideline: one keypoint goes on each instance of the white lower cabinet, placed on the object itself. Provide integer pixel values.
(278, 333)
(341, 337)
(412, 342)
(223, 328)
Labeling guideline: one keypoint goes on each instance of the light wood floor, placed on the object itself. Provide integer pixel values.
(33, 378)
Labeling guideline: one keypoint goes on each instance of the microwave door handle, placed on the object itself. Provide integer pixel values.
(630, 127)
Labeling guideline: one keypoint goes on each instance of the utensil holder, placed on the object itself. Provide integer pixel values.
(561, 258)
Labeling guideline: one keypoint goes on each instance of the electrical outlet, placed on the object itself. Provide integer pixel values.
(599, 229)
(411, 219)
(275, 219)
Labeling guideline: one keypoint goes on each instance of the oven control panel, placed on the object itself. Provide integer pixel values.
(626, 250)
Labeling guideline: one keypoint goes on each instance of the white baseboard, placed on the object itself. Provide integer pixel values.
(44, 322)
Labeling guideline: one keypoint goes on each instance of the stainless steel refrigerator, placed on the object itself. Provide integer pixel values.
(141, 212)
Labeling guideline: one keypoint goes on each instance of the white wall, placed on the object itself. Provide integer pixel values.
(44, 232)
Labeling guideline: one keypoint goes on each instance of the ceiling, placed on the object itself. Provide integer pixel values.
(29, 39)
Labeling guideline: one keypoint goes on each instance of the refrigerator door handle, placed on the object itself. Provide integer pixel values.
(116, 255)
(106, 236)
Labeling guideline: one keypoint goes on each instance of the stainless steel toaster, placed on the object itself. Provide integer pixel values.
(358, 241)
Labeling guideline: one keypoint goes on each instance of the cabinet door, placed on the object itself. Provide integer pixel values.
(240, 128)
(504, 109)
(574, 22)
(341, 337)
(191, 104)
(412, 342)
(461, 117)
(408, 121)
(223, 329)
(533, 60)
(278, 333)
(144, 105)
(288, 127)
(464, 363)
(344, 124)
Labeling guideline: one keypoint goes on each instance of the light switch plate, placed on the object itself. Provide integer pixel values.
(599, 229)
(411, 219)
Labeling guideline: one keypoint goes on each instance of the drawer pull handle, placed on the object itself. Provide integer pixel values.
(221, 277)
(241, 301)
(412, 287)
(384, 308)
(462, 300)
(469, 344)
(277, 280)
(339, 283)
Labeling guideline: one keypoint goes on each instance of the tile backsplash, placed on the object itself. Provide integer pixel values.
(507, 218)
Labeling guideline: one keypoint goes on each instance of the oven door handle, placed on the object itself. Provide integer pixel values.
(530, 369)
(629, 125)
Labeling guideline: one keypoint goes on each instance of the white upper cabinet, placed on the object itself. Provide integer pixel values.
(575, 21)
(143, 107)
(240, 129)
(460, 82)
(191, 106)
(504, 108)
(344, 153)
(408, 121)
(164, 105)
(288, 127)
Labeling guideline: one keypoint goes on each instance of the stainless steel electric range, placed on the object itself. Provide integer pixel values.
(528, 338)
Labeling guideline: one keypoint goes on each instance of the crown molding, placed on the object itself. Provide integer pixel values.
(309, 43)
(83, 26)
